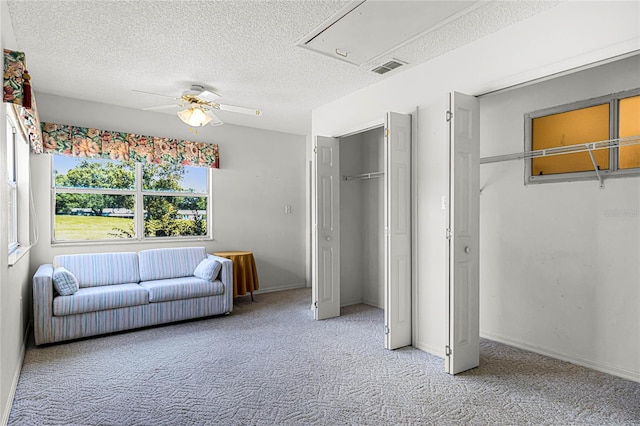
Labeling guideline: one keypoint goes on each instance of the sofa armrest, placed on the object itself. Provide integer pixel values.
(43, 304)
(226, 276)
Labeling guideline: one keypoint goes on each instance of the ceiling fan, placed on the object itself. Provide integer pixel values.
(197, 105)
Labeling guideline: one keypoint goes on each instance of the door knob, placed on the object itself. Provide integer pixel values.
(467, 249)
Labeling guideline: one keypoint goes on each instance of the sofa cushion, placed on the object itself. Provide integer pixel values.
(91, 299)
(208, 269)
(181, 288)
(64, 282)
(99, 269)
(157, 264)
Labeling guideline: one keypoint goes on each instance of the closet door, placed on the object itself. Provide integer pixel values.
(326, 235)
(397, 209)
(463, 351)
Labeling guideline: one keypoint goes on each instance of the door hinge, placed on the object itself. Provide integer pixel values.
(387, 132)
(448, 233)
(447, 350)
(386, 329)
(315, 149)
(315, 304)
(449, 115)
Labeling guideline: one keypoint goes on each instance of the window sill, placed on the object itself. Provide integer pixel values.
(18, 254)
(154, 240)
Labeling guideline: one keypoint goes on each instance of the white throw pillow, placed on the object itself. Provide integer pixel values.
(208, 269)
(65, 282)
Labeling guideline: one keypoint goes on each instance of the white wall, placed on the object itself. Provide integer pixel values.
(14, 280)
(361, 220)
(372, 198)
(260, 172)
(559, 261)
(8, 343)
(570, 35)
(351, 209)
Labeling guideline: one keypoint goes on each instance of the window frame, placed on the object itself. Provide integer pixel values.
(12, 182)
(612, 172)
(138, 193)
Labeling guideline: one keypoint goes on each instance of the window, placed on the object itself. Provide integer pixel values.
(611, 122)
(12, 182)
(629, 126)
(174, 200)
(103, 199)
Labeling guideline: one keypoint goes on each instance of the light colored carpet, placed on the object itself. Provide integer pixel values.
(270, 363)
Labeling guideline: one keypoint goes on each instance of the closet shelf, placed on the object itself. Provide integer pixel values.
(372, 175)
(569, 149)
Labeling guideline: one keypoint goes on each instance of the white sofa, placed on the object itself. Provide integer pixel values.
(126, 290)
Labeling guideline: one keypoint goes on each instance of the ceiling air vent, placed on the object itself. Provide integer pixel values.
(389, 66)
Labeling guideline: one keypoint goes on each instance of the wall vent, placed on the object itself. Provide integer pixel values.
(389, 66)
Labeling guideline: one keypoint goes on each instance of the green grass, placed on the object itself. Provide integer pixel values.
(88, 227)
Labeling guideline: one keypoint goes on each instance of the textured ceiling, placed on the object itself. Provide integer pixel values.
(100, 50)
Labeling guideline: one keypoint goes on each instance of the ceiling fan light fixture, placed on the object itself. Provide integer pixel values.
(195, 116)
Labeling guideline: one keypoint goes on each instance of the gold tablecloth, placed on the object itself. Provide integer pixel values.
(245, 274)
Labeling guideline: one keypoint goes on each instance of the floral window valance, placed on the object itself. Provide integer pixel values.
(87, 142)
(16, 90)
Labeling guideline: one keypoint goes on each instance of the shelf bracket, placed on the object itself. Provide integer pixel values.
(595, 167)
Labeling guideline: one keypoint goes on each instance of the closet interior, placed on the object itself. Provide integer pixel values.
(362, 218)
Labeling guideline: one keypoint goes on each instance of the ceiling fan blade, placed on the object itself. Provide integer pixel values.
(156, 94)
(209, 96)
(241, 110)
(215, 121)
(161, 107)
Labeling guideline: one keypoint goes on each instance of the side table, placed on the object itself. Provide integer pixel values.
(245, 275)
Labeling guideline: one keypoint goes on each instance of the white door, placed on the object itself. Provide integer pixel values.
(463, 351)
(397, 209)
(326, 235)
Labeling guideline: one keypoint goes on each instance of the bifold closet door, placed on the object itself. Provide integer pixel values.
(326, 229)
(397, 210)
(463, 350)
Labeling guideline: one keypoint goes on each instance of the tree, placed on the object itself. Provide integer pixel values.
(94, 174)
(162, 177)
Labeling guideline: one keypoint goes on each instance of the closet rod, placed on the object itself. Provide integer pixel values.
(372, 175)
(569, 149)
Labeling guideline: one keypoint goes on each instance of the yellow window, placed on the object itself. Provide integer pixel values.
(571, 128)
(629, 125)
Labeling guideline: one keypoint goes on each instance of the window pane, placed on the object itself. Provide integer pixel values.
(174, 177)
(12, 216)
(629, 119)
(11, 152)
(82, 217)
(174, 216)
(81, 172)
(570, 128)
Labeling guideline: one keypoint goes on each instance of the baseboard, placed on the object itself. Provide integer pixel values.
(430, 349)
(360, 302)
(370, 303)
(16, 377)
(614, 371)
(280, 288)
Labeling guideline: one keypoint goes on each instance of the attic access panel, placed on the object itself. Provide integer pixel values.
(366, 30)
